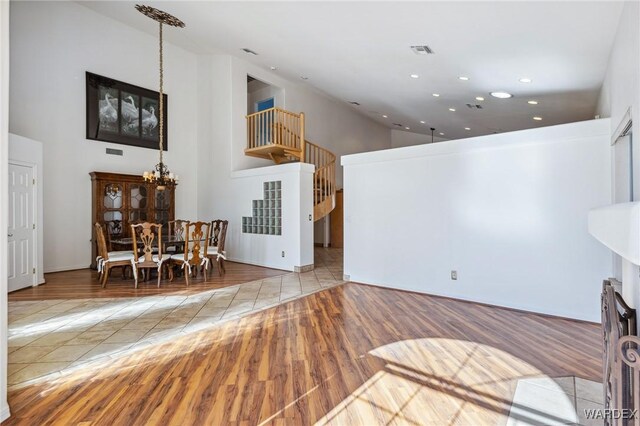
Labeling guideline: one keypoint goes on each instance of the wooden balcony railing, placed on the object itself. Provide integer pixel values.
(276, 126)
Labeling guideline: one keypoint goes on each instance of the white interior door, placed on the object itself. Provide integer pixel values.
(21, 227)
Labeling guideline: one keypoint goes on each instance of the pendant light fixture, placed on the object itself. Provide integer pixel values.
(160, 176)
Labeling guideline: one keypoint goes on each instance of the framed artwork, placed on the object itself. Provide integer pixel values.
(123, 113)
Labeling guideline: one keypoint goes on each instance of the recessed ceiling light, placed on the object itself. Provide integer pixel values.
(436, 94)
(422, 121)
(452, 109)
(525, 80)
(537, 118)
(441, 134)
(501, 95)
(463, 78)
(384, 116)
(479, 98)
(407, 128)
(467, 128)
(532, 102)
(414, 76)
(273, 68)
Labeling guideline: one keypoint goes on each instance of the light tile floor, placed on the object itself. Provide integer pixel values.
(48, 336)
(555, 401)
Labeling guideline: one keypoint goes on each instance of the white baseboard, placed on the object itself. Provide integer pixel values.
(4, 411)
(67, 268)
(258, 264)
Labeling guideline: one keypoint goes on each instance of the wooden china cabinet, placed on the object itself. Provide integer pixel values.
(120, 200)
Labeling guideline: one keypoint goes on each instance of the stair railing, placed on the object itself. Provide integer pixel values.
(324, 178)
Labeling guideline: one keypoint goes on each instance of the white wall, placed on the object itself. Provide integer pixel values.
(28, 151)
(4, 200)
(296, 240)
(507, 211)
(621, 92)
(52, 45)
(401, 138)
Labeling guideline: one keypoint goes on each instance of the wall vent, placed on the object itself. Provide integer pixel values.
(474, 106)
(112, 151)
(422, 50)
(354, 103)
(249, 51)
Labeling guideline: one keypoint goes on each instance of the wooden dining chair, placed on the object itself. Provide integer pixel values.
(216, 243)
(176, 230)
(195, 250)
(108, 260)
(150, 254)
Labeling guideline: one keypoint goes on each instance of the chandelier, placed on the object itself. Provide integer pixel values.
(160, 176)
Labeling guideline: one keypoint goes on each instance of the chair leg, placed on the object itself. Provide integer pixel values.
(219, 262)
(135, 277)
(187, 272)
(105, 275)
(159, 276)
(204, 270)
(224, 269)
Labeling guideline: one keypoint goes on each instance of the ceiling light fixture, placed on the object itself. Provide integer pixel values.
(385, 116)
(452, 109)
(414, 76)
(436, 95)
(537, 118)
(463, 78)
(532, 102)
(161, 177)
(501, 95)
(525, 80)
(273, 68)
(467, 128)
(407, 128)
(479, 98)
(441, 134)
(422, 121)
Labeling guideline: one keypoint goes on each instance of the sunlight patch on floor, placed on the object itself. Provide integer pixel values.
(445, 382)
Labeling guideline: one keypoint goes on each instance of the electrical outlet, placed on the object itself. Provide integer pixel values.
(454, 275)
(282, 253)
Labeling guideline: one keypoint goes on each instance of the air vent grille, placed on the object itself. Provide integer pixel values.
(249, 51)
(422, 50)
(112, 151)
(354, 103)
(474, 106)
(398, 124)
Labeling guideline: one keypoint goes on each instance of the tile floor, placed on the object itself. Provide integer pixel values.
(555, 401)
(47, 337)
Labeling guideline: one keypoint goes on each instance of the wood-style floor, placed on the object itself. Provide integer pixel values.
(352, 354)
(83, 283)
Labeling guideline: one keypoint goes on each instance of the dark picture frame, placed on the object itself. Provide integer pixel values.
(122, 113)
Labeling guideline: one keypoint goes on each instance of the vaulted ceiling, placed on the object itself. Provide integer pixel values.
(360, 51)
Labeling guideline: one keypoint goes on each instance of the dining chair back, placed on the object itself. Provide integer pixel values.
(196, 239)
(216, 248)
(149, 256)
(108, 260)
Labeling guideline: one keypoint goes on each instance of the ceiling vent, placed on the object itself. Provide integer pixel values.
(354, 103)
(474, 106)
(422, 50)
(249, 51)
(398, 124)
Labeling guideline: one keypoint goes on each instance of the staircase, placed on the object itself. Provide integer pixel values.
(278, 135)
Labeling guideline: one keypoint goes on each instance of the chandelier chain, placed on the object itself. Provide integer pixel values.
(161, 100)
